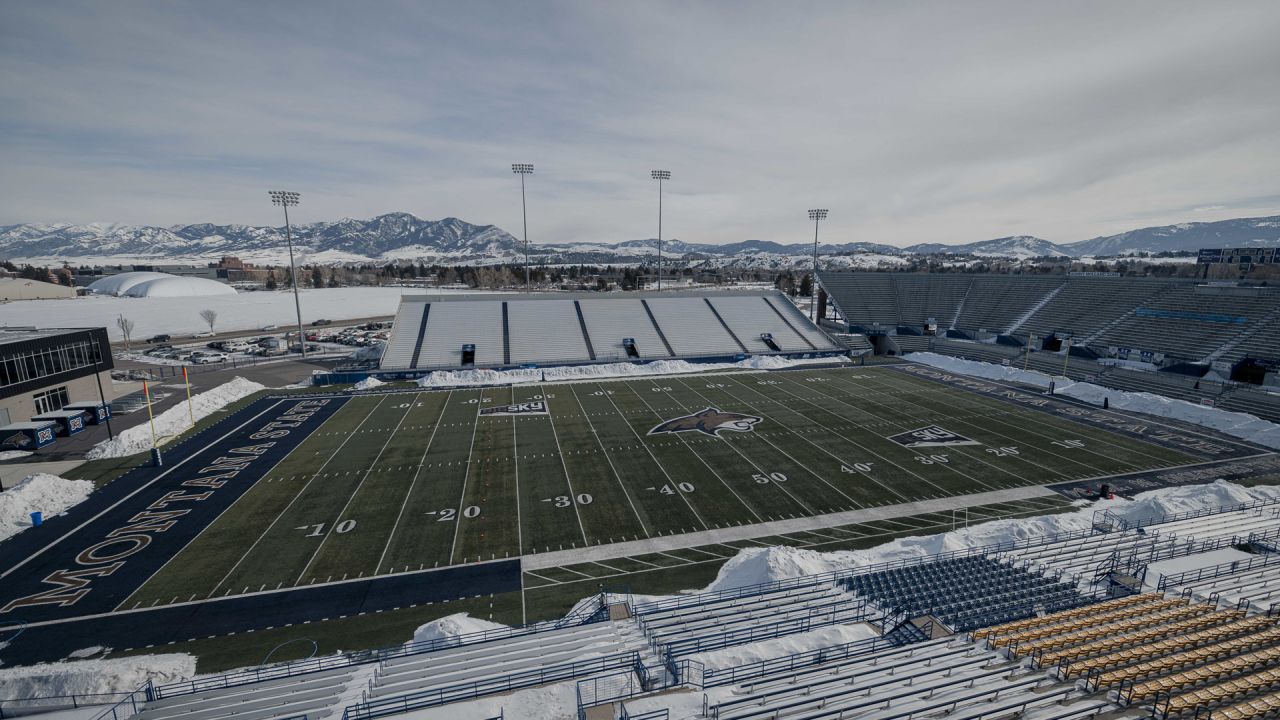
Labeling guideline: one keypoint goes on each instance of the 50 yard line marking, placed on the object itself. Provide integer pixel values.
(417, 473)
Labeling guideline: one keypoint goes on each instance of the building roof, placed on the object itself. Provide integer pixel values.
(158, 284)
(23, 334)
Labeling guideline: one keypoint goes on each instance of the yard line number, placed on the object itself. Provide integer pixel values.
(1003, 451)
(447, 514)
(564, 501)
(933, 459)
(861, 467)
(776, 477)
(317, 530)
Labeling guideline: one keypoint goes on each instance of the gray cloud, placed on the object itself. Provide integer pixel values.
(912, 122)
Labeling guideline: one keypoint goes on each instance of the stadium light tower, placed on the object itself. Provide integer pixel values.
(284, 199)
(523, 169)
(815, 216)
(660, 175)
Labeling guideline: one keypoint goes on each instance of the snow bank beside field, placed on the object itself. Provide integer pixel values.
(752, 566)
(451, 626)
(368, 383)
(115, 675)
(41, 492)
(519, 376)
(1241, 425)
(13, 454)
(174, 420)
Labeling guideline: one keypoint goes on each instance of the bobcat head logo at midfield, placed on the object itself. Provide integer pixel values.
(709, 421)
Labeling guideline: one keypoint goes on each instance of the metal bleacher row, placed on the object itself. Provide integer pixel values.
(1179, 318)
(1042, 638)
(431, 331)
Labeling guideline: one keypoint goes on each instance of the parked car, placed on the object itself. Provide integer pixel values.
(207, 358)
(322, 321)
(235, 347)
(158, 339)
(267, 328)
(203, 334)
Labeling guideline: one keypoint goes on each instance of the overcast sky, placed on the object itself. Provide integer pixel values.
(911, 121)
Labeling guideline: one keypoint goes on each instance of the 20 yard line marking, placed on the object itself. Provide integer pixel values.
(418, 473)
(457, 518)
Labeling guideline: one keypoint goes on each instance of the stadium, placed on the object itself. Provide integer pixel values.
(541, 478)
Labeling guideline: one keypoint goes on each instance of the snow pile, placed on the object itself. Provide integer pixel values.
(372, 351)
(456, 378)
(368, 383)
(1241, 425)
(115, 675)
(451, 626)
(13, 454)
(753, 566)
(174, 420)
(41, 492)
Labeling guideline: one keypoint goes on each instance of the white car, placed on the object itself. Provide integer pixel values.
(236, 347)
(267, 328)
(207, 358)
(205, 334)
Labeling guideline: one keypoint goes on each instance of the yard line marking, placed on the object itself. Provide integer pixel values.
(1031, 431)
(329, 533)
(846, 439)
(417, 473)
(573, 497)
(566, 568)
(297, 495)
(609, 459)
(784, 452)
(665, 474)
(153, 481)
(457, 518)
(515, 453)
(286, 456)
(698, 455)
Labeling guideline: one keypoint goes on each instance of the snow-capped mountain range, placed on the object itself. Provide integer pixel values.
(402, 236)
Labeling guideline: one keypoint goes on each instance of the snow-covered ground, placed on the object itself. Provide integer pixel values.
(174, 420)
(13, 454)
(110, 675)
(454, 378)
(41, 492)
(177, 315)
(1241, 425)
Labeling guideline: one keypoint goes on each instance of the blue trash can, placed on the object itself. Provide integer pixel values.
(36, 519)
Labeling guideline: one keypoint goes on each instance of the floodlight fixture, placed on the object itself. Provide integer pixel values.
(287, 199)
(660, 175)
(523, 169)
(815, 216)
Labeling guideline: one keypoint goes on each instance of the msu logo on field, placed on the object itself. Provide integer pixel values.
(932, 436)
(709, 421)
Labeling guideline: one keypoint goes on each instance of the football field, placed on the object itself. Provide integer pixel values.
(410, 480)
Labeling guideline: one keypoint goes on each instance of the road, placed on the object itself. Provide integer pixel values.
(138, 344)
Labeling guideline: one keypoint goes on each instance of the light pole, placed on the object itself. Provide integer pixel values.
(815, 216)
(284, 199)
(660, 175)
(523, 169)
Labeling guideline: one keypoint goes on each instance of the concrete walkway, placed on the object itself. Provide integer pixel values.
(629, 548)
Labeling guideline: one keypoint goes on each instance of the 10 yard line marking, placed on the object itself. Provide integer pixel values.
(314, 475)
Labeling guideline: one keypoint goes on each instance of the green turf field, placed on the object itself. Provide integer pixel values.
(403, 481)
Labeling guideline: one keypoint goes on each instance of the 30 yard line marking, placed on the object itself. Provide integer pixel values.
(297, 495)
(609, 459)
(573, 497)
(417, 473)
(457, 518)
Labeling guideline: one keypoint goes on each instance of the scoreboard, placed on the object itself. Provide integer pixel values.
(1239, 256)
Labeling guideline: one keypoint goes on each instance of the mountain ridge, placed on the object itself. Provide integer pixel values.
(403, 236)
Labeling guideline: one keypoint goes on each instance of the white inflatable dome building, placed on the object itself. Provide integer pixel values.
(157, 284)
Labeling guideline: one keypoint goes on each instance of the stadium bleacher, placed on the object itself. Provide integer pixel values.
(1042, 638)
(543, 329)
(1181, 319)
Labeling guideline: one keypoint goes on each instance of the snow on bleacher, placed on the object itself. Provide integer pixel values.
(691, 327)
(611, 319)
(751, 316)
(542, 331)
(454, 324)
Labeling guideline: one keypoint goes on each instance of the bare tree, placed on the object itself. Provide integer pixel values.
(126, 329)
(209, 316)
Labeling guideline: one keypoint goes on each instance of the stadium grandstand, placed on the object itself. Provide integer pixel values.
(497, 331)
(1198, 341)
(1129, 617)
